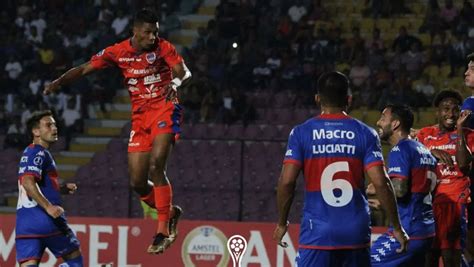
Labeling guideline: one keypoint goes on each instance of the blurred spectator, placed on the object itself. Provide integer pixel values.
(34, 37)
(354, 46)
(120, 23)
(13, 67)
(261, 74)
(39, 23)
(297, 11)
(25, 115)
(424, 90)
(404, 40)
(457, 53)
(449, 14)
(413, 61)
(432, 22)
(209, 106)
(71, 117)
(438, 50)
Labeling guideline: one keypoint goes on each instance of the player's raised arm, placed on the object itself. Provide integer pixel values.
(180, 73)
(31, 188)
(285, 195)
(386, 195)
(463, 154)
(69, 76)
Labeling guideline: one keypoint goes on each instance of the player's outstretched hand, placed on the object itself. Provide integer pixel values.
(54, 211)
(68, 188)
(402, 238)
(462, 118)
(279, 232)
(370, 190)
(171, 92)
(374, 203)
(443, 157)
(51, 87)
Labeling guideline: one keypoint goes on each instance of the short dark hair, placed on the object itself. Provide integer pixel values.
(442, 95)
(333, 89)
(145, 15)
(470, 57)
(404, 114)
(34, 120)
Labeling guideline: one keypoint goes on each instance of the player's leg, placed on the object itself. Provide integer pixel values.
(138, 166)
(384, 252)
(432, 258)
(352, 257)
(73, 259)
(162, 146)
(28, 251)
(313, 257)
(65, 246)
(451, 257)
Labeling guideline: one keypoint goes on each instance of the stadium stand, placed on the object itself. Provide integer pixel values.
(233, 151)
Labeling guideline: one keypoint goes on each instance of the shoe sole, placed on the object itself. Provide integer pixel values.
(178, 213)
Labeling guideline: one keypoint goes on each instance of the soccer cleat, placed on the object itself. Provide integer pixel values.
(173, 224)
(160, 244)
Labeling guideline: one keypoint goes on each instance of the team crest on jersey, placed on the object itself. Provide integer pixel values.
(101, 52)
(151, 57)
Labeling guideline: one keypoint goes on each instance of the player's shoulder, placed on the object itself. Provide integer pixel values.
(468, 103)
(163, 43)
(33, 149)
(429, 130)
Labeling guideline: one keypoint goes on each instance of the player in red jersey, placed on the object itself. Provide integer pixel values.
(451, 144)
(153, 71)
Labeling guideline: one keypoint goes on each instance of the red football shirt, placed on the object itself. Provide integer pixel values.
(145, 73)
(453, 184)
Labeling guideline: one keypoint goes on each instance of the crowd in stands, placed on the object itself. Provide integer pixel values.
(42, 39)
(278, 46)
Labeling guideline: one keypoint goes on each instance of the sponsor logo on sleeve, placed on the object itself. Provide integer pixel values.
(24, 159)
(38, 160)
(132, 81)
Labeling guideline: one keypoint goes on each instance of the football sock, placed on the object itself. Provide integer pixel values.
(149, 199)
(163, 195)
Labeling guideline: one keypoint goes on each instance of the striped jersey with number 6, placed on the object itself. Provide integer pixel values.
(333, 151)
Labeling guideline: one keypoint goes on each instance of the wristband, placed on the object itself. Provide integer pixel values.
(176, 81)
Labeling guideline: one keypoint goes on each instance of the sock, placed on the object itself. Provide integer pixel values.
(149, 199)
(76, 262)
(163, 195)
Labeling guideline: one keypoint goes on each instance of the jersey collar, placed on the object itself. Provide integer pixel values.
(334, 116)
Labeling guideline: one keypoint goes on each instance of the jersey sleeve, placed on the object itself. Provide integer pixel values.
(420, 136)
(103, 59)
(32, 164)
(373, 151)
(399, 163)
(469, 134)
(170, 54)
(294, 151)
(468, 104)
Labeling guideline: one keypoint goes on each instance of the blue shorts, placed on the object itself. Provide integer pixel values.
(333, 258)
(383, 252)
(33, 248)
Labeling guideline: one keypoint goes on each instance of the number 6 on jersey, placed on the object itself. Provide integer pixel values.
(328, 185)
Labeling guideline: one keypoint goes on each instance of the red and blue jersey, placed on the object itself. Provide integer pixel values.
(333, 151)
(411, 161)
(31, 219)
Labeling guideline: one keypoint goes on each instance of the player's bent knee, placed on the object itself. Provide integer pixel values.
(73, 259)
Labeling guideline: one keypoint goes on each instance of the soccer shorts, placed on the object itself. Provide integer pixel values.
(340, 257)
(159, 118)
(451, 225)
(470, 208)
(33, 248)
(384, 252)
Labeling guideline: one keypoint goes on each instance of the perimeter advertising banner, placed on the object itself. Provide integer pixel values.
(123, 243)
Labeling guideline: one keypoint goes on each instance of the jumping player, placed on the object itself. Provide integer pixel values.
(451, 144)
(40, 219)
(333, 150)
(153, 71)
(411, 167)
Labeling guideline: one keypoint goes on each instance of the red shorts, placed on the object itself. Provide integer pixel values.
(451, 223)
(158, 118)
